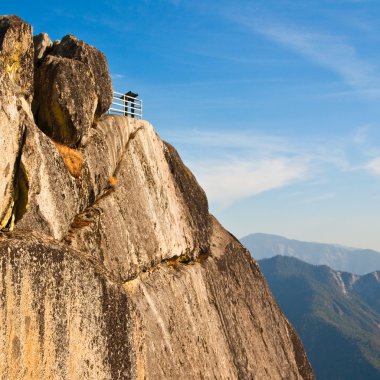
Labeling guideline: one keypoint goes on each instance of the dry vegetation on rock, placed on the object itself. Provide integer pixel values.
(72, 158)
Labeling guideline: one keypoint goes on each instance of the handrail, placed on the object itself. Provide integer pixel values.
(126, 105)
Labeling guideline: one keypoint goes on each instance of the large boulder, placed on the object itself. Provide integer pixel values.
(71, 47)
(42, 45)
(65, 99)
(16, 60)
(51, 197)
(16, 91)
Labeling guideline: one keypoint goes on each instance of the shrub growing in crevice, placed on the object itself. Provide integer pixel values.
(112, 181)
(80, 222)
(72, 158)
(177, 260)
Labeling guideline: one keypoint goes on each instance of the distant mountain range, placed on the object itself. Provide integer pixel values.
(353, 260)
(336, 314)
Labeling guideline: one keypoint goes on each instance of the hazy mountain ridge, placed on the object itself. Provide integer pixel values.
(352, 260)
(335, 313)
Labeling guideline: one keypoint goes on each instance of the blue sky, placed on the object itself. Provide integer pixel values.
(273, 104)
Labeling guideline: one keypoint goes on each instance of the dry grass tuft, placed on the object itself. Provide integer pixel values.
(176, 261)
(173, 263)
(79, 222)
(72, 158)
(112, 181)
(184, 259)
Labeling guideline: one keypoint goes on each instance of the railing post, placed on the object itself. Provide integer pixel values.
(127, 105)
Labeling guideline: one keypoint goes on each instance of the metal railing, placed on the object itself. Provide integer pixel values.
(126, 105)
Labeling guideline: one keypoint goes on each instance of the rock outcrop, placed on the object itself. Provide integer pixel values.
(72, 48)
(16, 56)
(42, 45)
(213, 319)
(113, 267)
(65, 99)
(16, 93)
(72, 88)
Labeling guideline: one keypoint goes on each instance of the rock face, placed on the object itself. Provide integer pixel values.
(216, 317)
(17, 55)
(66, 98)
(117, 270)
(42, 45)
(64, 319)
(16, 92)
(153, 218)
(72, 87)
(71, 47)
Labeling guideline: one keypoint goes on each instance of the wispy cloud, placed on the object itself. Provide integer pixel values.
(360, 135)
(333, 52)
(248, 144)
(373, 166)
(320, 198)
(234, 140)
(232, 166)
(226, 182)
(246, 164)
(117, 76)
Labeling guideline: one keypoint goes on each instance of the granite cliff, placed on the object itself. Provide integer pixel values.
(111, 265)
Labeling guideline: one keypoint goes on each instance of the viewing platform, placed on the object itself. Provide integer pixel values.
(126, 105)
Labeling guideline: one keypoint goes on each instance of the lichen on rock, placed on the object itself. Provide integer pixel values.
(16, 59)
(60, 316)
(65, 99)
(42, 46)
(16, 92)
(72, 87)
(72, 48)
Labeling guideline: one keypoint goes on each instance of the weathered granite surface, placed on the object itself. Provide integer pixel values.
(95, 60)
(16, 92)
(65, 99)
(111, 266)
(72, 87)
(42, 45)
(153, 219)
(213, 318)
(60, 316)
